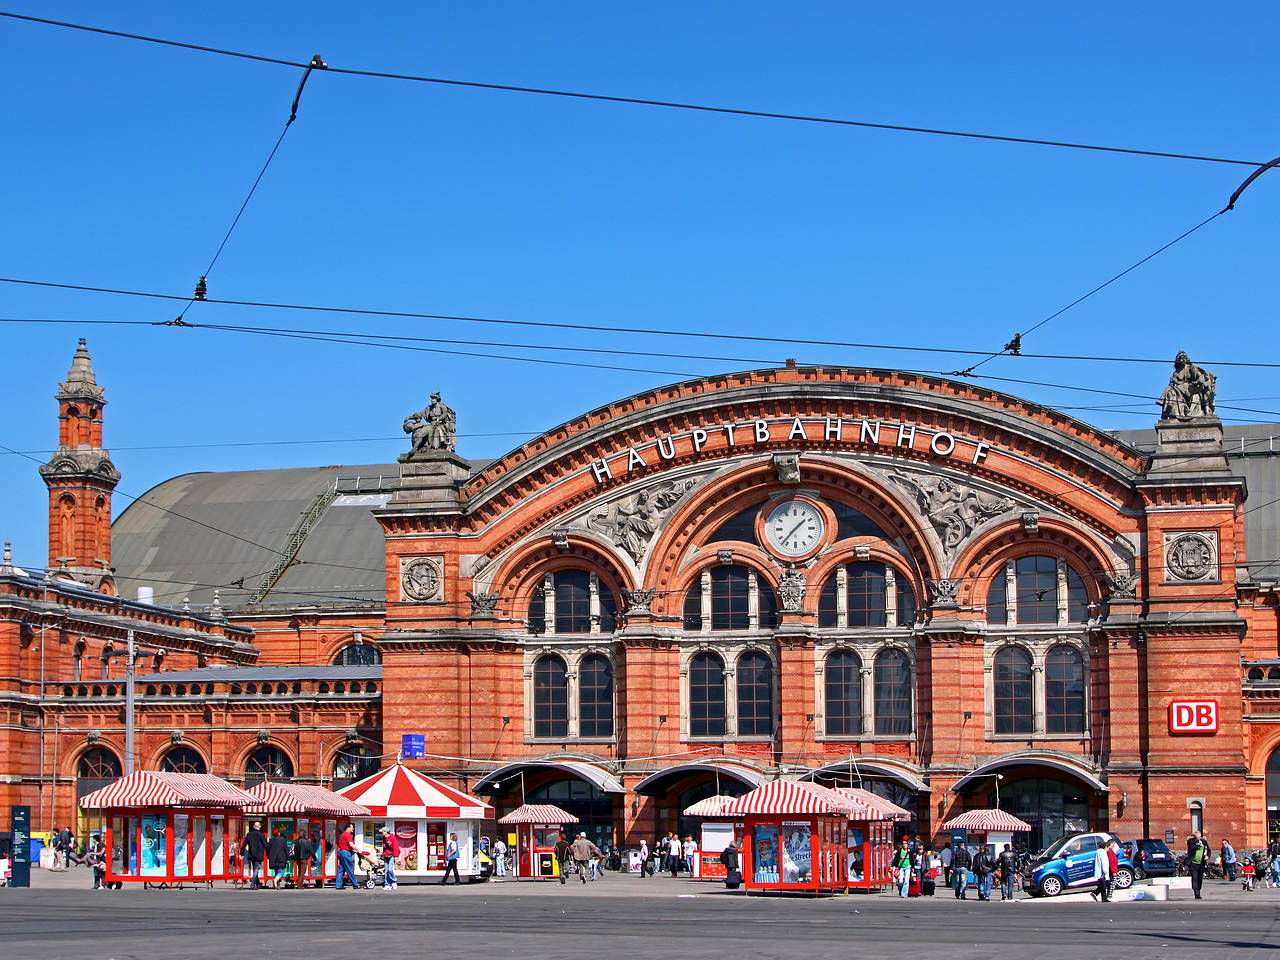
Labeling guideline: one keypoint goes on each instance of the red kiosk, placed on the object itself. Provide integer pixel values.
(714, 835)
(295, 810)
(168, 828)
(870, 843)
(537, 830)
(795, 836)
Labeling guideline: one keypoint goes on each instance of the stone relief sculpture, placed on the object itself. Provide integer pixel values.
(944, 591)
(1123, 585)
(433, 428)
(632, 521)
(1190, 393)
(638, 601)
(953, 510)
(482, 605)
(791, 589)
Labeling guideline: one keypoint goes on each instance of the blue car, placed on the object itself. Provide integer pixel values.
(1068, 863)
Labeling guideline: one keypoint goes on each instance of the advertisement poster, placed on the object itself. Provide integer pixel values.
(179, 844)
(151, 855)
(282, 828)
(766, 853)
(407, 836)
(436, 838)
(797, 852)
(218, 856)
(855, 855)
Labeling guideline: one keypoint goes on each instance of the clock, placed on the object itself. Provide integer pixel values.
(794, 528)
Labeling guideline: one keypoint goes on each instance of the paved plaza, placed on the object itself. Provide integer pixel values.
(621, 916)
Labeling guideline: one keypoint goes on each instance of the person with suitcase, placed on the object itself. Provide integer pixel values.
(733, 872)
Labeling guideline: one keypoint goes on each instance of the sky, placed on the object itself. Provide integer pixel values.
(124, 164)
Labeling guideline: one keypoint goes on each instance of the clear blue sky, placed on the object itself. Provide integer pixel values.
(124, 163)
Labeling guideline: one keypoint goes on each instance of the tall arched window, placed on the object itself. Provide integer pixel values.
(267, 763)
(843, 680)
(358, 655)
(892, 694)
(550, 697)
(98, 768)
(1064, 691)
(706, 696)
(731, 588)
(1037, 579)
(183, 760)
(755, 695)
(595, 696)
(67, 526)
(867, 597)
(571, 594)
(1013, 706)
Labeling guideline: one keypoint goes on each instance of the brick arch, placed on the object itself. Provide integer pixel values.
(71, 765)
(168, 745)
(242, 753)
(516, 579)
(841, 553)
(977, 563)
(706, 509)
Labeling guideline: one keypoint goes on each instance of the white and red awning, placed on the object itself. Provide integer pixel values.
(401, 792)
(274, 797)
(539, 813)
(987, 820)
(155, 788)
(872, 806)
(791, 796)
(710, 807)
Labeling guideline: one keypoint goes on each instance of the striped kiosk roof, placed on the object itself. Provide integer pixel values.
(539, 813)
(989, 820)
(791, 796)
(401, 792)
(163, 788)
(303, 798)
(710, 807)
(875, 806)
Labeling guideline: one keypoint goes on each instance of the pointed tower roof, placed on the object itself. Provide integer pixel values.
(81, 383)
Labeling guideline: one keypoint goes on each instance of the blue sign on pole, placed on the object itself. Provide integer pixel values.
(20, 865)
(413, 745)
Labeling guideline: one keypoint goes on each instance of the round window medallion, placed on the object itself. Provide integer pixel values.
(1191, 557)
(420, 580)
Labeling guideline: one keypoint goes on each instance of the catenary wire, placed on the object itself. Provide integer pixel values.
(643, 101)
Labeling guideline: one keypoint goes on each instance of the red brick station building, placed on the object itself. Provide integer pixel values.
(952, 596)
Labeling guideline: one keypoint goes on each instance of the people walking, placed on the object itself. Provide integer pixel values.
(1197, 859)
(984, 867)
(1228, 860)
(451, 852)
(945, 857)
(673, 854)
(583, 850)
(690, 851)
(277, 858)
(346, 858)
(499, 858)
(96, 858)
(303, 854)
(1008, 865)
(253, 849)
(562, 856)
(902, 868)
(390, 851)
(1102, 874)
(961, 860)
(646, 865)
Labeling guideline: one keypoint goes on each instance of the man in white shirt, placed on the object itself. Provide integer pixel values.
(499, 858)
(689, 849)
(945, 857)
(673, 854)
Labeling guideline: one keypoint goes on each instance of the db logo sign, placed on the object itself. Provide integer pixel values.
(1193, 716)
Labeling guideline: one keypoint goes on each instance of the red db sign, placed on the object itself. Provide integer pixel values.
(1193, 716)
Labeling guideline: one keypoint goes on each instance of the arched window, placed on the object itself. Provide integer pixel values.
(1077, 598)
(550, 697)
(731, 589)
(706, 696)
(571, 593)
(267, 763)
(358, 655)
(755, 695)
(1037, 579)
(183, 760)
(1013, 707)
(595, 696)
(998, 599)
(843, 680)
(99, 767)
(892, 694)
(866, 597)
(1064, 691)
(354, 763)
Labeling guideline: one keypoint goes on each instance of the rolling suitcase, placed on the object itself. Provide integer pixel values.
(927, 887)
(733, 879)
(913, 889)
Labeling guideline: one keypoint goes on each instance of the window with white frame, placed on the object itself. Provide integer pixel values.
(1037, 589)
(1037, 687)
(730, 597)
(572, 601)
(866, 594)
(569, 691)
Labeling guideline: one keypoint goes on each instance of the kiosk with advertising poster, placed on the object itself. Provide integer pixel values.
(794, 837)
(985, 828)
(870, 843)
(167, 829)
(422, 812)
(714, 835)
(538, 828)
(293, 810)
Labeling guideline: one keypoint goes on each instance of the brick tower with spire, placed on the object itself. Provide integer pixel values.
(80, 477)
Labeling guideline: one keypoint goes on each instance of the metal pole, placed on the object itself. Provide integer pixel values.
(44, 617)
(128, 705)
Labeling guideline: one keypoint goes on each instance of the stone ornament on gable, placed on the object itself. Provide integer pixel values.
(944, 591)
(638, 601)
(560, 538)
(1190, 393)
(788, 467)
(631, 522)
(176, 737)
(953, 510)
(264, 736)
(1123, 586)
(432, 429)
(725, 555)
(421, 579)
(95, 738)
(1031, 522)
(482, 605)
(791, 589)
(1192, 556)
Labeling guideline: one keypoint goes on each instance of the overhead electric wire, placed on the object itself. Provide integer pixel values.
(641, 101)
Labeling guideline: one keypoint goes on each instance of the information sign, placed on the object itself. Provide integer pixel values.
(413, 745)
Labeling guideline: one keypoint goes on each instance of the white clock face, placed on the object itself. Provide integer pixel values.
(794, 528)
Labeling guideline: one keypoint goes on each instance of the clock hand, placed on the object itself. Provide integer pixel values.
(793, 530)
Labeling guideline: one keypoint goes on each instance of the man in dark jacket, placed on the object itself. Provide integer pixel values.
(562, 855)
(961, 861)
(303, 854)
(277, 858)
(1197, 859)
(983, 868)
(1008, 865)
(253, 849)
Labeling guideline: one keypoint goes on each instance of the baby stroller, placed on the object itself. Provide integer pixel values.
(374, 870)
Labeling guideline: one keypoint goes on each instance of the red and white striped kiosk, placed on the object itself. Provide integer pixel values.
(293, 810)
(537, 830)
(870, 838)
(422, 812)
(166, 829)
(986, 828)
(794, 837)
(714, 835)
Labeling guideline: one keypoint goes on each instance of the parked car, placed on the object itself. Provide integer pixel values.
(1151, 858)
(1068, 863)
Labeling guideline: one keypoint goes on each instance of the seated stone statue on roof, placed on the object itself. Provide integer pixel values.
(434, 428)
(1190, 392)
